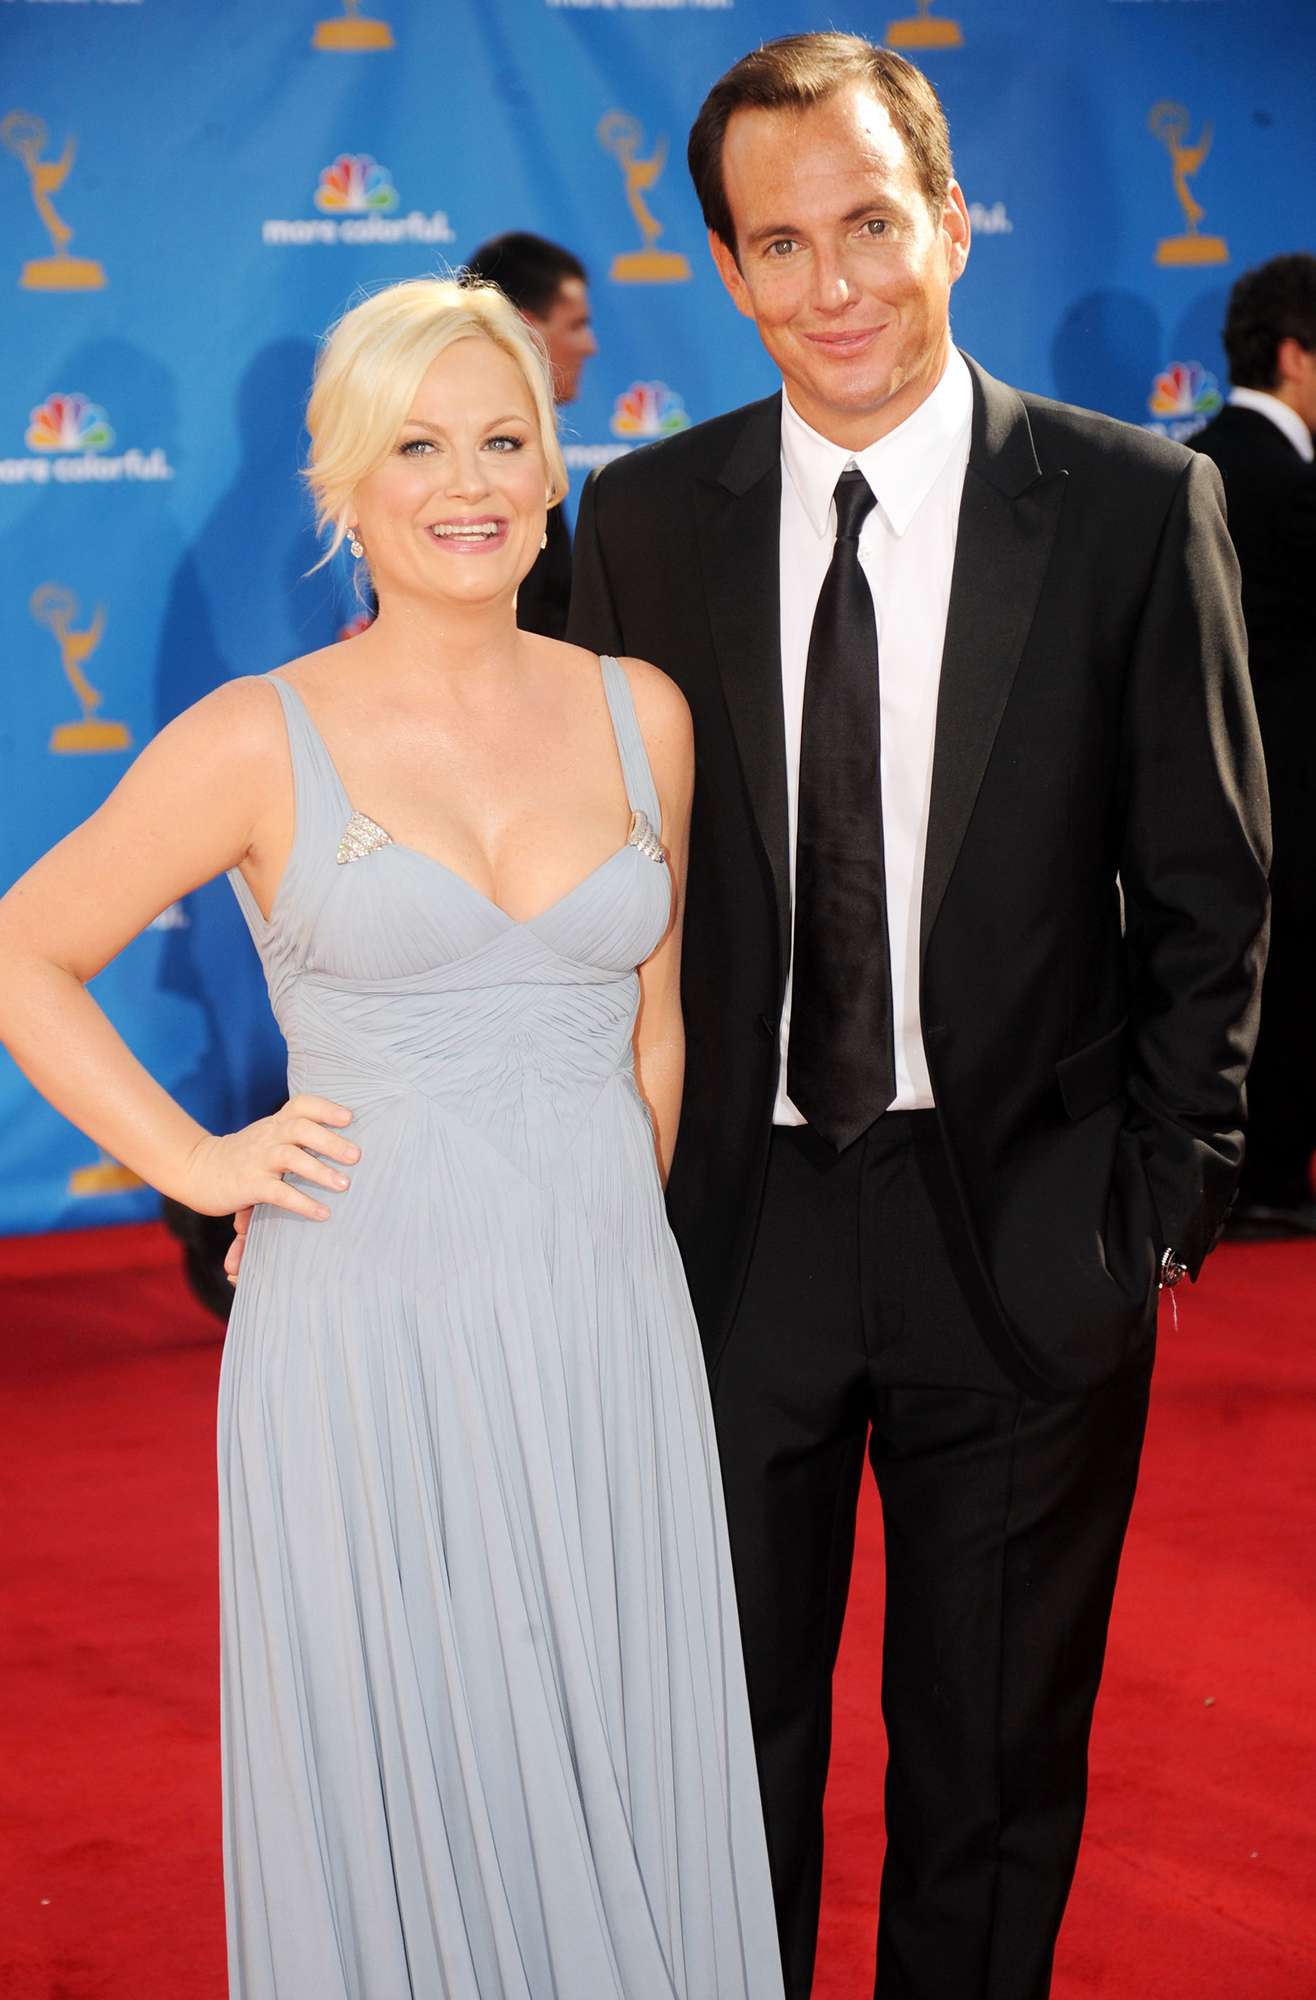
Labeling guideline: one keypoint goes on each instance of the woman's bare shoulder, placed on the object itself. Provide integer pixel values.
(663, 711)
(238, 719)
(660, 707)
(310, 670)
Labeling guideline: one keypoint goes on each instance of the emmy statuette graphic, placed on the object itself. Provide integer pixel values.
(26, 138)
(622, 136)
(106, 1176)
(351, 30)
(55, 606)
(1169, 123)
(920, 31)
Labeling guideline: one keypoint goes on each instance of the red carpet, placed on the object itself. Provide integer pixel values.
(1198, 1875)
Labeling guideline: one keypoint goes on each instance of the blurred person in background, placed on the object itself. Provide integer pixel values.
(1262, 444)
(550, 289)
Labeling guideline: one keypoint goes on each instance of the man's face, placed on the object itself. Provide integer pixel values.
(568, 335)
(842, 266)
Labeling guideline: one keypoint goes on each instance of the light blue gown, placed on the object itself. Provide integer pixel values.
(485, 1732)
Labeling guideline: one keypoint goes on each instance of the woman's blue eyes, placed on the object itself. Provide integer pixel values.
(413, 447)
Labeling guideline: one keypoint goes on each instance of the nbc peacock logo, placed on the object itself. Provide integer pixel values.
(1185, 389)
(356, 184)
(69, 423)
(649, 410)
(68, 439)
(358, 203)
(1184, 397)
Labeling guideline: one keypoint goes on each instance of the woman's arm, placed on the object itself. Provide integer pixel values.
(211, 791)
(665, 725)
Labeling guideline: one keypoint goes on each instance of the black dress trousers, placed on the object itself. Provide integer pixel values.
(857, 1335)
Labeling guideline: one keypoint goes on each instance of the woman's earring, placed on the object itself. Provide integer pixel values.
(543, 539)
(356, 545)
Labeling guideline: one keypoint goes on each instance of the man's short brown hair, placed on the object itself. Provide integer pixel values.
(799, 71)
(1274, 302)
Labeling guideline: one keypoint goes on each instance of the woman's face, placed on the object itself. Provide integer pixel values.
(457, 508)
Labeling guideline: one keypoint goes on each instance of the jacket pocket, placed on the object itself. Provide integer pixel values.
(1094, 1075)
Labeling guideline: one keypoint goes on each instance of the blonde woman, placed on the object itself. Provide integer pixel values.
(485, 1730)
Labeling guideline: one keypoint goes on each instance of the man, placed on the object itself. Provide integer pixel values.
(550, 289)
(1262, 443)
(948, 1120)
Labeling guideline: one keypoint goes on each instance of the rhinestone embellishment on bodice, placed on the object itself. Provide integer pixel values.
(361, 836)
(643, 836)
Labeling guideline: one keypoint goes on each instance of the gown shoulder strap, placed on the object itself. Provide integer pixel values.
(641, 791)
(320, 813)
(313, 771)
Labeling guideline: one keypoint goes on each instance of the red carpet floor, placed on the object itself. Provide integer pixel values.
(1198, 1877)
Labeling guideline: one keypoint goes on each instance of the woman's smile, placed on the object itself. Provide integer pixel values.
(474, 536)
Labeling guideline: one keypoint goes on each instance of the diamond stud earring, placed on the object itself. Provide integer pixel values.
(356, 545)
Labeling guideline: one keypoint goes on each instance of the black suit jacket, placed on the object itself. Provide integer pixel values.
(1271, 493)
(1095, 730)
(543, 600)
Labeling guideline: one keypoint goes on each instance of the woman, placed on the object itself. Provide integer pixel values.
(484, 1722)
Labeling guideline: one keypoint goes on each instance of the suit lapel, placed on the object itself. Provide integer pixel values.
(738, 514)
(1007, 526)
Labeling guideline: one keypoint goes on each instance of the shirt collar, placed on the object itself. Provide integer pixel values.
(1280, 414)
(901, 467)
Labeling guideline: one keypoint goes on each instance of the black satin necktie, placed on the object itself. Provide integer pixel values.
(841, 1064)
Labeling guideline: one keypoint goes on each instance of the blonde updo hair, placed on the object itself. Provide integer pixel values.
(370, 365)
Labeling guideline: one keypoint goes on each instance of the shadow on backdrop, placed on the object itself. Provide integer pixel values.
(1106, 352)
(240, 603)
(1197, 334)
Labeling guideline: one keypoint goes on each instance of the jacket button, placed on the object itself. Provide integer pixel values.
(765, 1026)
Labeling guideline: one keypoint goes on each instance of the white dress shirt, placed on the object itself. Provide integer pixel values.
(1279, 413)
(906, 551)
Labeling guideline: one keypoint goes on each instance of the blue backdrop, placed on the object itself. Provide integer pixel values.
(191, 192)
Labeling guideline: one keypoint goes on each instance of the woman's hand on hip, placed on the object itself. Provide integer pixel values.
(241, 1168)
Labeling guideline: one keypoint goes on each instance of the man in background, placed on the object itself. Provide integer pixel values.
(1262, 444)
(549, 288)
